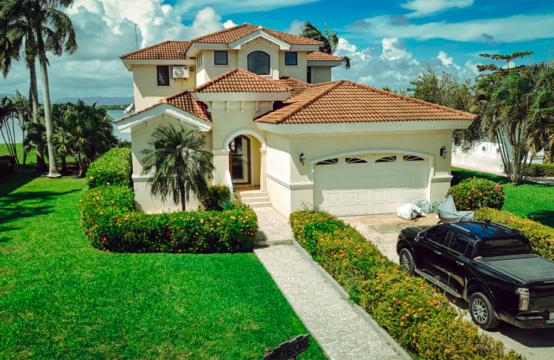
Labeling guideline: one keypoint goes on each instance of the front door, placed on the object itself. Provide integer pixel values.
(239, 160)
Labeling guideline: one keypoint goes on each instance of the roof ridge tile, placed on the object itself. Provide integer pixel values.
(221, 31)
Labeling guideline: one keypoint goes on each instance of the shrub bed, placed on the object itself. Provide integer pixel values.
(412, 311)
(541, 170)
(111, 222)
(112, 168)
(215, 196)
(475, 193)
(540, 236)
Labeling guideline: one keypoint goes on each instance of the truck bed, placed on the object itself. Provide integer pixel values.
(528, 268)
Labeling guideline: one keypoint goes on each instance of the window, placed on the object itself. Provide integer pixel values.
(309, 75)
(162, 75)
(484, 148)
(221, 58)
(328, 162)
(501, 247)
(386, 159)
(258, 63)
(199, 61)
(291, 58)
(355, 161)
(437, 235)
(412, 158)
(458, 243)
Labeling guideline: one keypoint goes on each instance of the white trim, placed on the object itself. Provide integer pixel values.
(237, 44)
(141, 178)
(196, 47)
(163, 110)
(130, 62)
(240, 96)
(431, 157)
(308, 48)
(324, 63)
(220, 152)
(221, 65)
(244, 131)
(361, 127)
(263, 151)
(442, 178)
(291, 186)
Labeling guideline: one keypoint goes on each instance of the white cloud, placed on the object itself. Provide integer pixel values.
(470, 67)
(351, 50)
(294, 27)
(506, 30)
(429, 7)
(447, 61)
(229, 24)
(225, 7)
(394, 50)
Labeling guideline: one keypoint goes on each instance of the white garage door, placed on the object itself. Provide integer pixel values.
(370, 184)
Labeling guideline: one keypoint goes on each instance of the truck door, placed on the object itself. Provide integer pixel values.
(433, 248)
(456, 256)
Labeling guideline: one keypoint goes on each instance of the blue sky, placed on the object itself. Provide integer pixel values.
(388, 41)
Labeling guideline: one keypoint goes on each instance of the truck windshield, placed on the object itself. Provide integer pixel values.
(500, 247)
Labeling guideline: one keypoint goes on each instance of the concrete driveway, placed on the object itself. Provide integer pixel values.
(382, 231)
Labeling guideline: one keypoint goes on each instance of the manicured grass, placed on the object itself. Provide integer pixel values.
(31, 156)
(534, 201)
(61, 298)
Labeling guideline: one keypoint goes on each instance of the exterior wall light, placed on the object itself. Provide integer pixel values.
(302, 158)
(444, 152)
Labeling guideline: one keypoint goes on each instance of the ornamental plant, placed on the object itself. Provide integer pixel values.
(112, 168)
(475, 193)
(215, 196)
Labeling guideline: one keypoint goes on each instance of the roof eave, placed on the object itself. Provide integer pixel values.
(260, 33)
(327, 63)
(240, 96)
(196, 47)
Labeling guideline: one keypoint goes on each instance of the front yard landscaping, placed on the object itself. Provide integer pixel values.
(534, 201)
(62, 298)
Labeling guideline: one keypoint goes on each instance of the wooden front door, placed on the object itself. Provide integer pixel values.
(239, 160)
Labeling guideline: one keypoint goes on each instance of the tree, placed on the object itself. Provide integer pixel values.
(22, 113)
(54, 32)
(82, 131)
(8, 113)
(439, 87)
(329, 40)
(178, 163)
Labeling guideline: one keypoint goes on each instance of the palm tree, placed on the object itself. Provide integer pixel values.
(8, 112)
(179, 164)
(54, 32)
(329, 40)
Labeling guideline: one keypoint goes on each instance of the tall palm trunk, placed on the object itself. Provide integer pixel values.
(33, 97)
(183, 196)
(53, 164)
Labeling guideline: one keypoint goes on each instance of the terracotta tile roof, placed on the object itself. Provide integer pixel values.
(183, 101)
(227, 36)
(348, 102)
(168, 50)
(321, 56)
(239, 80)
(297, 86)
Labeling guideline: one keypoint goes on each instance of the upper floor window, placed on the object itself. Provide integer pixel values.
(162, 75)
(221, 58)
(291, 58)
(258, 63)
(199, 61)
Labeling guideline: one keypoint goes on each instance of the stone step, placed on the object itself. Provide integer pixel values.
(250, 194)
(257, 205)
(255, 200)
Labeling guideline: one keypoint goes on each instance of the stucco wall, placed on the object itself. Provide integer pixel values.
(262, 45)
(148, 93)
(321, 74)
(299, 71)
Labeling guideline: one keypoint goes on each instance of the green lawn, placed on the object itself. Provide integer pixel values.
(31, 156)
(61, 298)
(534, 201)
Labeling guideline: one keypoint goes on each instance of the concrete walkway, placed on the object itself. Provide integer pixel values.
(342, 330)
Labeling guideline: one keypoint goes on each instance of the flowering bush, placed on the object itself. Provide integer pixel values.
(475, 193)
(215, 196)
(111, 224)
(412, 311)
(112, 168)
(540, 236)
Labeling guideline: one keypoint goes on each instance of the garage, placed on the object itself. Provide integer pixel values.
(370, 184)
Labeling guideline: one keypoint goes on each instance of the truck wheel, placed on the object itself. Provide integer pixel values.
(407, 261)
(482, 311)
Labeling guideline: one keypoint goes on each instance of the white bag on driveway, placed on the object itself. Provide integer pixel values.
(410, 212)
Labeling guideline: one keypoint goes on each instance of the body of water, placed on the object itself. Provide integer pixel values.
(116, 114)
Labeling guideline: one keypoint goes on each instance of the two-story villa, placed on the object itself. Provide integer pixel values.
(281, 132)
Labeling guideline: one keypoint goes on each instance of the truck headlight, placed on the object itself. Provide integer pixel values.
(523, 298)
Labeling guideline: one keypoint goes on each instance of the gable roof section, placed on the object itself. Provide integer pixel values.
(321, 56)
(235, 33)
(183, 101)
(168, 50)
(241, 81)
(297, 86)
(348, 102)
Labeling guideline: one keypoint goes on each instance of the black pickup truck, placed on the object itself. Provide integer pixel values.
(488, 264)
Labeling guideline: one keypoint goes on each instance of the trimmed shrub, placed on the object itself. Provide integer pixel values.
(112, 168)
(475, 193)
(540, 236)
(410, 309)
(215, 196)
(541, 170)
(111, 224)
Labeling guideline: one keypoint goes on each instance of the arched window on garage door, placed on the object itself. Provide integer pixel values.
(386, 159)
(412, 158)
(328, 162)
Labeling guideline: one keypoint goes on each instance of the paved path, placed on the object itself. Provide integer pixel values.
(341, 331)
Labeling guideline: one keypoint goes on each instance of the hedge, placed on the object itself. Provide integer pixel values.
(409, 308)
(215, 196)
(475, 193)
(112, 168)
(540, 236)
(111, 222)
(541, 170)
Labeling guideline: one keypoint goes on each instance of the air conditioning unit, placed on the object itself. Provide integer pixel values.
(180, 72)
